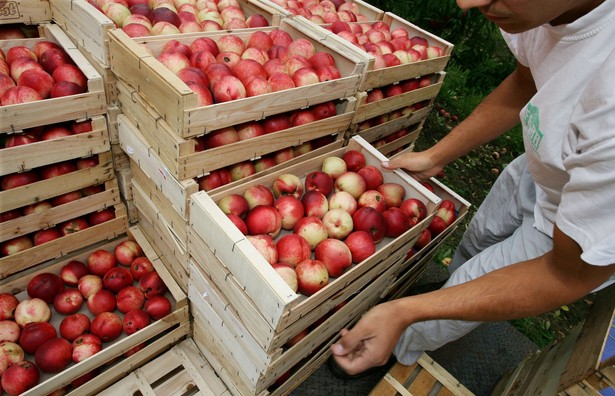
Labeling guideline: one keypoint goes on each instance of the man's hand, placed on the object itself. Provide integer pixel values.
(371, 341)
(418, 164)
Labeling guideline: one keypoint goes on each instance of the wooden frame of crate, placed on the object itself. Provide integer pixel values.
(44, 189)
(247, 367)
(177, 103)
(181, 370)
(244, 274)
(368, 11)
(183, 161)
(165, 332)
(50, 111)
(30, 12)
(90, 28)
(425, 377)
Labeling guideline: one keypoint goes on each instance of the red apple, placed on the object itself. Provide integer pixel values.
(354, 159)
(397, 222)
(291, 209)
(101, 216)
(320, 181)
(265, 245)
(101, 261)
(324, 110)
(292, 249)
(258, 195)
(287, 184)
(335, 255)
(235, 204)
(393, 193)
(372, 199)
(140, 266)
(74, 326)
(65, 88)
(101, 301)
(73, 226)
(135, 320)
(126, 251)
(249, 130)
(152, 284)
(370, 220)
(117, 278)
(68, 301)
(276, 122)
(312, 276)
(72, 73)
(45, 286)
(58, 169)
(35, 334)
(315, 204)
(72, 272)
(85, 346)
(372, 175)
(15, 180)
(54, 355)
(44, 236)
(8, 303)
(9, 331)
(423, 239)
(164, 14)
(437, 226)
(66, 198)
(220, 137)
(242, 170)
(20, 377)
(157, 307)
(37, 79)
(107, 326)
(361, 245)
(228, 88)
(414, 208)
(239, 223)
(264, 219)
(129, 298)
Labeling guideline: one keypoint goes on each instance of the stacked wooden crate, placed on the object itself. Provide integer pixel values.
(162, 126)
(30, 12)
(245, 314)
(89, 188)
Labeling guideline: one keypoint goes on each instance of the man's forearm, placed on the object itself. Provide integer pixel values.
(495, 115)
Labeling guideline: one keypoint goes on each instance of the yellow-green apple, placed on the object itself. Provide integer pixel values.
(343, 200)
(312, 229)
(162, 28)
(89, 284)
(312, 276)
(84, 346)
(31, 310)
(74, 326)
(152, 284)
(288, 274)
(350, 182)
(338, 222)
(291, 209)
(45, 286)
(116, 12)
(264, 219)
(8, 303)
(292, 249)
(157, 307)
(335, 255)
(68, 301)
(265, 245)
(107, 326)
(287, 184)
(11, 352)
(333, 166)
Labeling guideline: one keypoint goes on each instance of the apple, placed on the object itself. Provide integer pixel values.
(10, 331)
(446, 211)
(437, 226)
(291, 210)
(19, 51)
(242, 170)
(335, 254)
(117, 278)
(292, 249)
(265, 162)
(370, 220)
(66, 198)
(72, 73)
(361, 245)
(372, 175)
(135, 320)
(101, 261)
(333, 166)
(101, 216)
(276, 122)
(129, 298)
(164, 14)
(157, 307)
(20, 377)
(35, 334)
(414, 208)
(152, 284)
(338, 223)
(15, 180)
(101, 301)
(18, 139)
(8, 303)
(107, 326)
(16, 245)
(319, 181)
(74, 326)
(354, 160)
(312, 276)
(19, 94)
(287, 184)
(265, 245)
(37, 79)
(258, 195)
(76, 383)
(393, 193)
(343, 200)
(85, 346)
(280, 81)
(136, 29)
(89, 284)
(397, 222)
(126, 251)
(423, 239)
(372, 199)
(350, 182)
(11, 352)
(68, 301)
(73, 226)
(52, 58)
(228, 88)
(71, 272)
(324, 110)
(235, 204)
(45, 286)
(65, 88)
(256, 21)
(54, 355)
(140, 266)
(239, 223)
(11, 215)
(312, 229)
(288, 274)
(220, 137)
(264, 219)
(58, 169)
(249, 130)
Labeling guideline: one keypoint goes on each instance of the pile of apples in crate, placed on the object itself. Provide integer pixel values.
(229, 68)
(315, 229)
(116, 292)
(323, 11)
(148, 18)
(44, 71)
(389, 47)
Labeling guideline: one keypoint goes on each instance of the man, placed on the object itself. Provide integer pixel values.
(543, 236)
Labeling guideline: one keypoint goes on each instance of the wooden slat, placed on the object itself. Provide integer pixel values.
(443, 376)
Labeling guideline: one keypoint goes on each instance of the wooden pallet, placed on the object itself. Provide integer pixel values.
(425, 377)
(183, 370)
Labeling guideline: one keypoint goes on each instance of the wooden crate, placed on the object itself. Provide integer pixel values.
(251, 369)
(246, 273)
(90, 28)
(31, 12)
(50, 111)
(177, 103)
(159, 335)
(380, 131)
(34, 155)
(183, 161)
(373, 78)
(425, 377)
(367, 12)
(182, 370)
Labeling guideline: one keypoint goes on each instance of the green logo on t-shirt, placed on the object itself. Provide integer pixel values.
(531, 126)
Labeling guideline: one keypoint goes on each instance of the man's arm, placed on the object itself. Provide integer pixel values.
(520, 290)
(496, 114)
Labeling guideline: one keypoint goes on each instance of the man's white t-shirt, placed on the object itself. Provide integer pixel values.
(569, 128)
